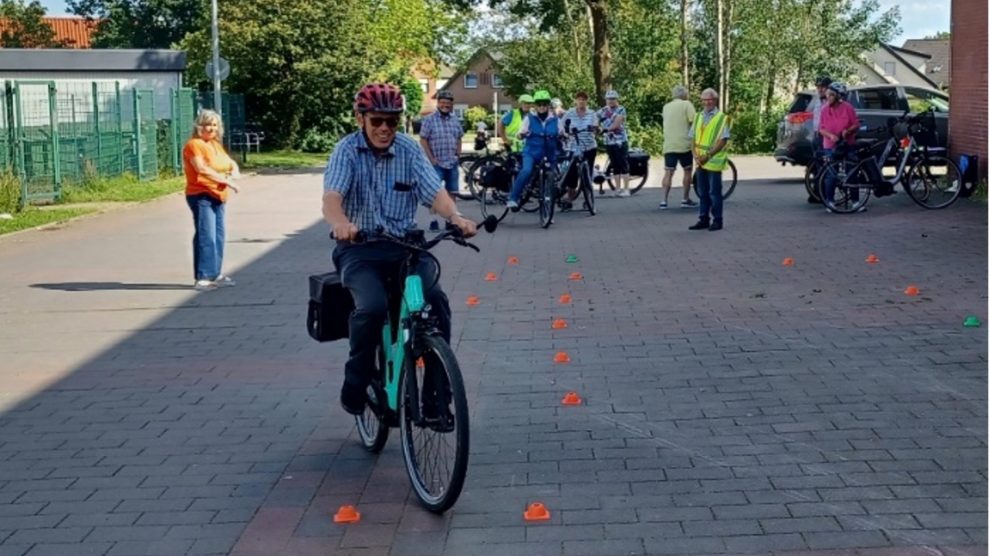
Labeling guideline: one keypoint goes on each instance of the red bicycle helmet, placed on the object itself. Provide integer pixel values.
(379, 97)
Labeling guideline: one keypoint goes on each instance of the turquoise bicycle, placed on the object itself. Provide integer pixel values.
(417, 387)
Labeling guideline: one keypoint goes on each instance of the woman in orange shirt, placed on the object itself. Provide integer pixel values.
(209, 175)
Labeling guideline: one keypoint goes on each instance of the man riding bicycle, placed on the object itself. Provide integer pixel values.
(540, 133)
(375, 178)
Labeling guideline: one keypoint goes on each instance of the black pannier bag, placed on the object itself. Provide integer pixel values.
(330, 307)
(496, 176)
(639, 161)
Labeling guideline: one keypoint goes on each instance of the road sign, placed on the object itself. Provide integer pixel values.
(224, 69)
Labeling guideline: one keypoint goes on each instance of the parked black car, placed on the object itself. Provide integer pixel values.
(874, 104)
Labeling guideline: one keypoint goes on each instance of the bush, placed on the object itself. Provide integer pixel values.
(10, 192)
(317, 141)
(752, 134)
(477, 114)
(648, 138)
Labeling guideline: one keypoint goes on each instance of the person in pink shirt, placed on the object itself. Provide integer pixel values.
(837, 126)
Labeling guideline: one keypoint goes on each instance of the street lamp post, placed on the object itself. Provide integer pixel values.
(217, 102)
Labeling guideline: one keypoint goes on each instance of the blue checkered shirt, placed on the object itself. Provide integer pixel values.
(443, 134)
(381, 190)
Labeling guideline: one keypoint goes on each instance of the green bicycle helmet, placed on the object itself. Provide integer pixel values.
(528, 99)
(542, 96)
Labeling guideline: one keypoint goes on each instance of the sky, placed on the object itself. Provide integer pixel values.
(919, 18)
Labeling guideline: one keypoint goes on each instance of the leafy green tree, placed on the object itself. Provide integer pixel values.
(142, 23)
(25, 27)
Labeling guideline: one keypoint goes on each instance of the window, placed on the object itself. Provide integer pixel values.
(920, 100)
(425, 85)
(884, 98)
(890, 68)
(470, 80)
(497, 81)
(460, 110)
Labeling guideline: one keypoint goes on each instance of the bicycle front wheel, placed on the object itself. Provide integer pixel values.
(547, 199)
(811, 180)
(434, 424)
(852, 186)
(934, 182)
(587, 190)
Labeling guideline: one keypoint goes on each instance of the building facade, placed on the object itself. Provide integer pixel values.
(968, 115)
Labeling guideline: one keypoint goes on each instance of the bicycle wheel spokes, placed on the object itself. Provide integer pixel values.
(547, 200)
(587, 191)
(435, 447)
(934, 182)
(493, 203)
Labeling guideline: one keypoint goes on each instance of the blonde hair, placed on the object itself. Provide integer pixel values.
(208, 117)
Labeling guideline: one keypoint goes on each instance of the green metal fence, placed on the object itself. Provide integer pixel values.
(57, 134)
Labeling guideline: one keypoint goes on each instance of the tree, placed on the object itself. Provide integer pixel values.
(142, 23)
(25, 27)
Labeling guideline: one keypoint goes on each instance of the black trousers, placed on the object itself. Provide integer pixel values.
(364, 270)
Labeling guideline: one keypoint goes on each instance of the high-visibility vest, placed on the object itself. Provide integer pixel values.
(706, 136)
(512, 130)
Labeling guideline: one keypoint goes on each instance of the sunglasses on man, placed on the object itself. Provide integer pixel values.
(391, 121)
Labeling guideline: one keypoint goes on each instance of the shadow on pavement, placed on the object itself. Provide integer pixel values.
(102, 286)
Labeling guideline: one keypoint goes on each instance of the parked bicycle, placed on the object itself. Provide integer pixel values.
(417, 386)
(932, 180)
(729, 178)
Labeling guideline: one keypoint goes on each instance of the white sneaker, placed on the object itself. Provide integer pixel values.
(205, 285)
(622, 193)
(512, 205)
(223, 281)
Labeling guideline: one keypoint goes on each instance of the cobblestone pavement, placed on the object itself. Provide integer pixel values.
(732, 405)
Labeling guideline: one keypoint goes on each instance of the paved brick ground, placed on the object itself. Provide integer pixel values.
(733, 405)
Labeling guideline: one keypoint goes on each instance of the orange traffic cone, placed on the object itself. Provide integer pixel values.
(788, 262)
(571, 398)
(561, 357)
(491, 277)
(536, 512)
(911, 291)
(473, 300)
(513, 260)
(575, 276)
(558, 324)
(565, 299)
(872, 259)
(347, 514)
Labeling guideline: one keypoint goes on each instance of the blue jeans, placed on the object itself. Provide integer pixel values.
(208, 217)
(450, 178)
(709, 194)
(522, 179)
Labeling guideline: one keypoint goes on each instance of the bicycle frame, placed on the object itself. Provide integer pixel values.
(396, 335)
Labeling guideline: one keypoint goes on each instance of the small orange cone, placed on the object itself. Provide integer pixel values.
(788, 262)
(558, 324)
(561, 357)
(347, 514)
(536, 512)
(575, 276)
(513, 260)
(872, 259)
(491, 277)
(565, 299)
(473, 300)
(911, 291)
(571, 398)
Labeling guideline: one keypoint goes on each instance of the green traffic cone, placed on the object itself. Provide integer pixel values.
(572, 258)
(971, 321)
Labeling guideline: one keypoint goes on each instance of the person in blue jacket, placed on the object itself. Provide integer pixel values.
(541, 132)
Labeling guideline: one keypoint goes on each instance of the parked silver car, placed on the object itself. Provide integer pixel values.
(874, 104)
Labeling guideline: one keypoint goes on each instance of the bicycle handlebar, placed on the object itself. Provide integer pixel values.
(451, 233)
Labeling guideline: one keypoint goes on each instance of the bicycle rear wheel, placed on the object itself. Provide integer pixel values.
(811, 180)
(635, 182)
(933, 182)
(371, 425)
(547, 199)
(729, 178)
(435, 448)
(852, 186)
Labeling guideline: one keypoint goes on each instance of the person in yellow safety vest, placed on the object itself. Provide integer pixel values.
(512, 122)
(710, 135)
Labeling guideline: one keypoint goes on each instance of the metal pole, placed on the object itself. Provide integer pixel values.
(216, 59)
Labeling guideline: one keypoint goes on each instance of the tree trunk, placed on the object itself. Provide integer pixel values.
(685, 60)
(602, 59)
(574, 33)
(719, 50)
(727, 70)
